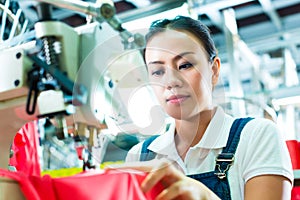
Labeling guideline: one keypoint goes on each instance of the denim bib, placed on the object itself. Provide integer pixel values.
(216, 180)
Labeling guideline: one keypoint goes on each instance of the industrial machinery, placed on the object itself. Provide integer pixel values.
(69, 75)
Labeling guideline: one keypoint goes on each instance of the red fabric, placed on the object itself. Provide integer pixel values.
(296, 193)
(111, 185)
(25, 185)
(294, 153)
(25, 147)
(43, 187)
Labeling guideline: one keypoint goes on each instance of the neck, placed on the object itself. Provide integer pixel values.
(189, 132)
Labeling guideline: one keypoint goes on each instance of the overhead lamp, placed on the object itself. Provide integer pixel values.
(292, 100)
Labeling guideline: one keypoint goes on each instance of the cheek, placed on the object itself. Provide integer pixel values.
(200, 86)
(158, 91)
(194, 82)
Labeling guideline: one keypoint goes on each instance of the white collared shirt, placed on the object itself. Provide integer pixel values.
(261, 150)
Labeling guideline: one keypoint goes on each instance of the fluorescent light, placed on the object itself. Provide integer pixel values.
(286, 101)
(145, 22)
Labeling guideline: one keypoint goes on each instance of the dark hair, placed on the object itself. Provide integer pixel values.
(187, 24)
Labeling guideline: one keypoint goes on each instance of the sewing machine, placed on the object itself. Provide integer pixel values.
(70, 75)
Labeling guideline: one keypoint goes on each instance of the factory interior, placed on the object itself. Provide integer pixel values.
(87, 103)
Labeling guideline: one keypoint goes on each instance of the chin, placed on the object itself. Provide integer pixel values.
(180, 115)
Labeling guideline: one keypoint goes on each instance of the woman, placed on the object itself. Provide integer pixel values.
(183, 68)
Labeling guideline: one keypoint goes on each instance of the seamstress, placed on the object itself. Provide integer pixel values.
(206, 154)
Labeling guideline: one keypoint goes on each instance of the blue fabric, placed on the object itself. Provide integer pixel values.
(215, 180)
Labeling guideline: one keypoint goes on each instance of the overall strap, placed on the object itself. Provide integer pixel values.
(147, 154)
(225, 159)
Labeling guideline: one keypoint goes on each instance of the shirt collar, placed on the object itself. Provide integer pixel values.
(217, 131)
(214, 137)
(165, 144)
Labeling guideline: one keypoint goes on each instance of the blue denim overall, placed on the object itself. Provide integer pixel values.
(215, 180)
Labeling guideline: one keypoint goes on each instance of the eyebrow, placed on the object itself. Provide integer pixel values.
(177, 57)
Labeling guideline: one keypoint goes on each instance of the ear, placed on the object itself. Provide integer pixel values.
(216, 70)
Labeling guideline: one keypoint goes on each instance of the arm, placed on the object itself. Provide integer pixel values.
(268, 187)
(265, 163)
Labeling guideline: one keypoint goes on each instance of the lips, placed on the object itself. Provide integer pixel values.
(177, 99)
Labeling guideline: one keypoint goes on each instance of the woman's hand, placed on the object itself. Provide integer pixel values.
(176, 184)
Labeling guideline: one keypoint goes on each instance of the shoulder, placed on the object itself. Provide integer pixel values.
(142, 147)
(260, 127)
(263, 122)
(259, 131)
(262, 150)
(134, 153)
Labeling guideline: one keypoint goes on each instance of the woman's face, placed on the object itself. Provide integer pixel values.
(180, 73)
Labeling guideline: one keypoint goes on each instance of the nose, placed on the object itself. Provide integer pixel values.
(173, 79)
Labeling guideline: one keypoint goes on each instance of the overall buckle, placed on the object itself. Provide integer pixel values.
(228, 158)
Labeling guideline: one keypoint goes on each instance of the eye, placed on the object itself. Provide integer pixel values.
(159, 72)
(185, 66)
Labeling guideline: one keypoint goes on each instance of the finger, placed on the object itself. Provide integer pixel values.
(172, 192)
(146, 166)
(164, 171)
(187, 188)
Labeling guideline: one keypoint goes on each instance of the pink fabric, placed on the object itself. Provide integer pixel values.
(109, 185)
(25, 147)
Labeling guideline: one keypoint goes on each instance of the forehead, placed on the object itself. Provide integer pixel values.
(174, 42)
